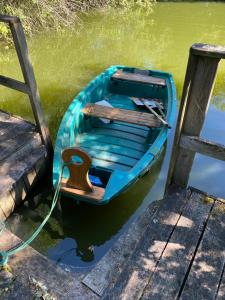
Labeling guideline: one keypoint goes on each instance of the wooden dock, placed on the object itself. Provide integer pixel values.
(22, 161)
(181, 254)
(174, 250)
(25, 148)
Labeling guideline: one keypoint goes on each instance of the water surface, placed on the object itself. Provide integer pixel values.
(65, 62)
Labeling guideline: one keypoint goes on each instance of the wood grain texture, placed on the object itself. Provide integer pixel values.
(22, 161)
(206, 271)
(198, 87)
(174, 263)
(78, 178)
(95, 195)
(135, 77)
(181, 254)
(141, 265)
(124, 115)
(205, 147)
(18, 175)
(14, 84)
(30, 85)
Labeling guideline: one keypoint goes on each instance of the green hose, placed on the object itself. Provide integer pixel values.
(4, 255)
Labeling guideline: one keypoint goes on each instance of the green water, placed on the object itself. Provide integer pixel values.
(65, 62)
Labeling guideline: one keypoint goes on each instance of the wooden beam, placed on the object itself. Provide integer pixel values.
(205, 147)
(14, 84)
(29, 78)
(213, 51)
(9, 19)
(198, 87)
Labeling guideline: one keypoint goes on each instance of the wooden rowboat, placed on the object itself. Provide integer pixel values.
(107, 139)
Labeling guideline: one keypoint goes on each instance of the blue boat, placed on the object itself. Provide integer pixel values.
(113, 132)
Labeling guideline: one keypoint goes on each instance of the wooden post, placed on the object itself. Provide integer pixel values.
(30, 86)
(198, 86)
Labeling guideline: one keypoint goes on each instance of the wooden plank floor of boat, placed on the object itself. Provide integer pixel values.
(115, 146)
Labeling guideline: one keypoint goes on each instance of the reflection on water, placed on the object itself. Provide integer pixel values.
(82, 232)
(66, 61)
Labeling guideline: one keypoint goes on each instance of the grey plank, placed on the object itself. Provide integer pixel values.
(221, 291)
(135, 276)
(137, 77)
(21, 155)
(10, 146)
(203, 146)
(110, 266)
(14, 84)
(18, 178)
(12, 127)
(173, 266)
(206, 271)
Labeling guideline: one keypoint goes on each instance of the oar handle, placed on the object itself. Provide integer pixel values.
(155, 113)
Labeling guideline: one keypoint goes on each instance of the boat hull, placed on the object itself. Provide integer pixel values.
(121, 152)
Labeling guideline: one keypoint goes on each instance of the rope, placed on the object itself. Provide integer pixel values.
(4, 255)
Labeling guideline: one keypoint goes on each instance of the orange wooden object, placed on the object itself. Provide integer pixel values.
(79, 178)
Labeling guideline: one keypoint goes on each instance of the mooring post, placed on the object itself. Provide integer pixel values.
(198, 86)
(29, 86)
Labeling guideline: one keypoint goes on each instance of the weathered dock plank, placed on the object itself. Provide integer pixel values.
(181, 254)
(207, 269)
(22, 161)
(135, 276)
(29, 265)
(172, 268)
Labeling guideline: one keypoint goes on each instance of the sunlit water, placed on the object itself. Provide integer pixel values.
(65, 62)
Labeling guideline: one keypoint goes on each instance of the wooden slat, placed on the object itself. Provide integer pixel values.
(18, 176)
(203, 146)
(140, 78)
(106, 271)
(96, 195)
(14, 84)
(112, 140)
(124, 115)
(173, 266)
(11, 146)
(9, 19)
(136, 274)
(111, 157)
(123, 128)
(120, 134)
(11, 126)
(109, 165)
(122, 150)
(207, 269)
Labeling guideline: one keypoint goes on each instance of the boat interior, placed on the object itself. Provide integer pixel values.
(115, 135)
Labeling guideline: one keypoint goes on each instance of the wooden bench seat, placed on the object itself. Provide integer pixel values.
(141, 78)
(124, 115)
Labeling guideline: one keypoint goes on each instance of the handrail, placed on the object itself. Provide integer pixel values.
(198, 86)
(29, 86)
